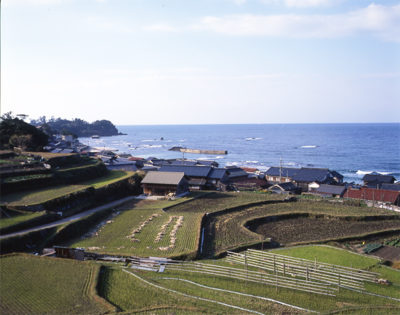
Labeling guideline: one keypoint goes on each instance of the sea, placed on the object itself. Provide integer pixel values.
(351, 149)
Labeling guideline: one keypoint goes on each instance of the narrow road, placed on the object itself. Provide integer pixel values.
(71, 218)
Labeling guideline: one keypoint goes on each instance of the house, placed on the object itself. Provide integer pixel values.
(325, 190)
(395, 187)
(119, 164)
(283, 188)
(236, 174)
(375, 180)
(196, 174)
(373, 194)
(164, 183)
(306, 176)
(218, 178)
(276, 175)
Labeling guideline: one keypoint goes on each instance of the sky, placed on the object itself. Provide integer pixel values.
(202, 61)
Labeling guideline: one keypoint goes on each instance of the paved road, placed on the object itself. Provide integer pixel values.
(71, 218)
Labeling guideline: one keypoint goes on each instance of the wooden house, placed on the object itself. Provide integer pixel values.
(276, 175)
(375, 180)
(163, 183)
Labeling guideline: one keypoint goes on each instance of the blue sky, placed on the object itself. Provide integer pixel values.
(202, 61)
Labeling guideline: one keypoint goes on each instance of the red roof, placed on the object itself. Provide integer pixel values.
(134, 158)
(249, 169)
(372, 194)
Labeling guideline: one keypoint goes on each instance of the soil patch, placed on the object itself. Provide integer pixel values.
(286, 229)
(388, 253)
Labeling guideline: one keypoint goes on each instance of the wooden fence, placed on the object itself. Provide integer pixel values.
(309, 270)
(254, 276)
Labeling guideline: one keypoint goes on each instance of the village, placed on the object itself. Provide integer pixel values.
(296, 237)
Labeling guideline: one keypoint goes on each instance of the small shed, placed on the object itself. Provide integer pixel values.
(164, 183)
(283, 188)
(329, 190)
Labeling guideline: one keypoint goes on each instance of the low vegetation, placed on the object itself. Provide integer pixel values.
(38, 285)
(39, 196)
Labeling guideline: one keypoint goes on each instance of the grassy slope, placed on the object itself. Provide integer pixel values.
(41, 195)
(7, 222)
(342, 257)
(113, 237)
(129, 293)
(38, 285)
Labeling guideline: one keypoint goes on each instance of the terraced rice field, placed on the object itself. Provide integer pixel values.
(136, 229)
(115, 237)
(38, 285)
(38, 196)
(292, 229)
(227, 230)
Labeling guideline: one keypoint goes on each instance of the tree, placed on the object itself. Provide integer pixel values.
(16, 132)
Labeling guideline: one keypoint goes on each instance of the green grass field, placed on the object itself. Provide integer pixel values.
(38, 285)
(34, 197)
(17, 219)
(116, 284)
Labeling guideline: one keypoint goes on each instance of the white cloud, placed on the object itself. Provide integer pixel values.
(379, 20)
(100, 23)
(301, 3)
(34, 2)
(160, 28)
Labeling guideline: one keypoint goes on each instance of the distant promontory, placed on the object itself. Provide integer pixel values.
(77, 127)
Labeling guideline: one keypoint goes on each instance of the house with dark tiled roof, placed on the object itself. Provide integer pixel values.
(276, 175)
(306, 176)
(375, 180)
(236, 173)
(395, 187)
(196, 174)
(325, 190)
(164, 183)
(218, 178)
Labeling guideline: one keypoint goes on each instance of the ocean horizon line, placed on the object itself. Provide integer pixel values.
(247, 124)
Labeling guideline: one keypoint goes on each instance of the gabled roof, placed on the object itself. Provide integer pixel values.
(394, 187)
(378, 178)
(207, 162)
(183, 162)
(191, 171)
(217, 173)
(318, 175)
(330, 189)
(166, 178)
(234, 171)
(284, 171)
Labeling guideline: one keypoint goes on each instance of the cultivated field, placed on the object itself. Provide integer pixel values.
(34, 197)
(38, 285)
(291, 229)
(227, 231)
(144, 229)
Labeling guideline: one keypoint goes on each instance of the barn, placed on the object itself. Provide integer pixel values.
(164, 183)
